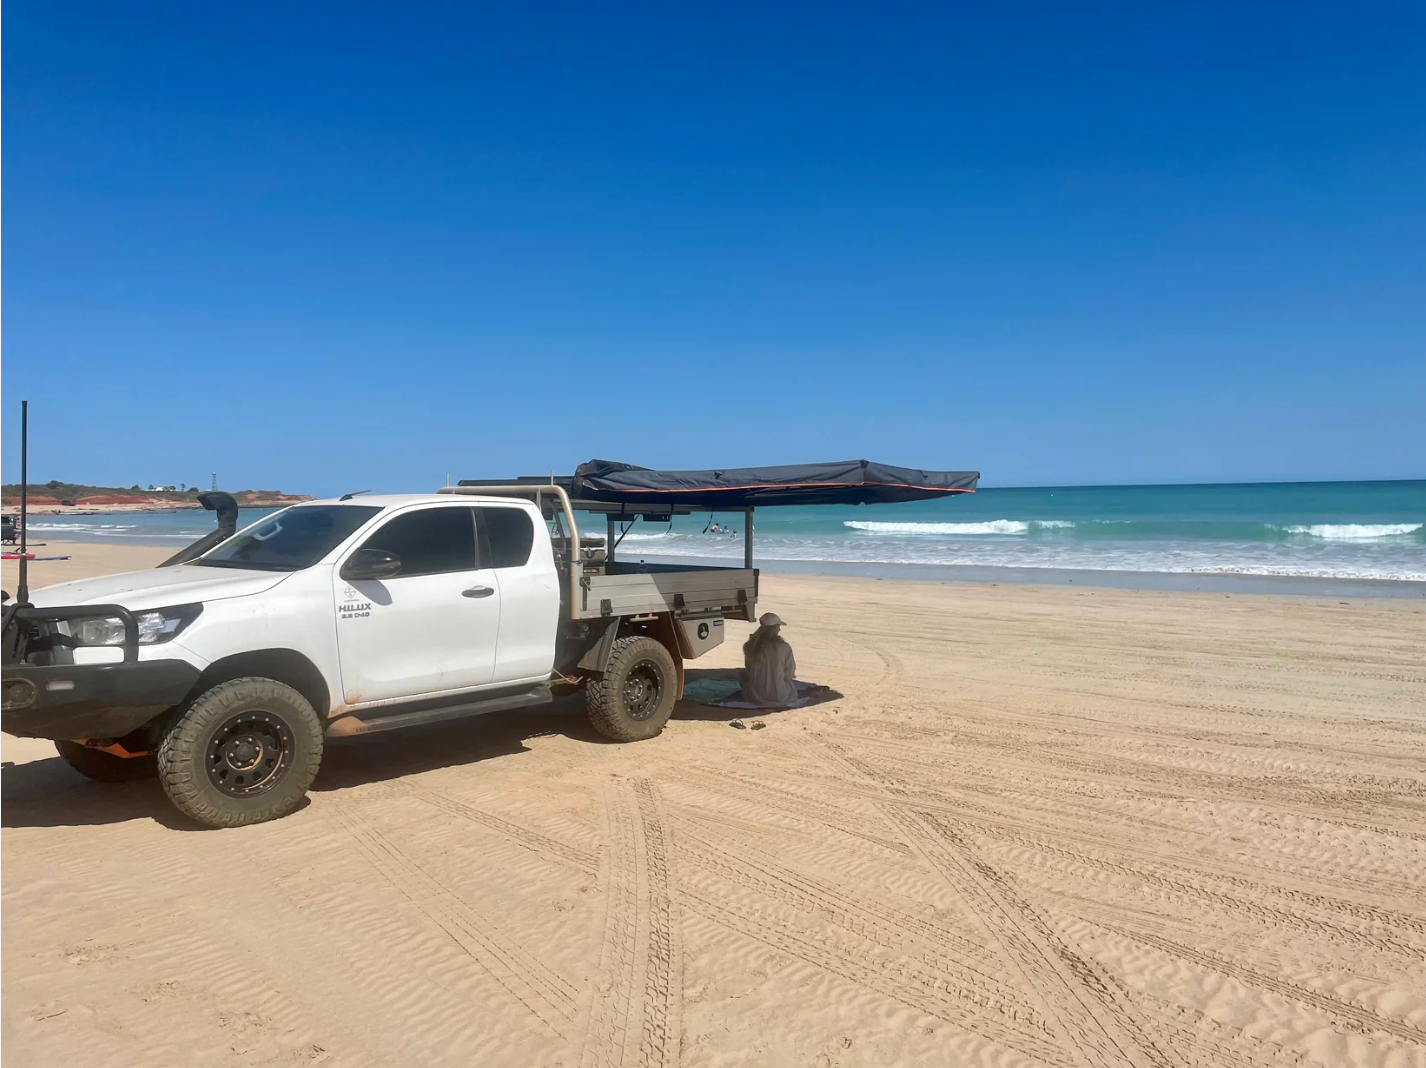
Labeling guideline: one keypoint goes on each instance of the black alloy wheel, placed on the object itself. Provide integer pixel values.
(643, 689)
(250, 754)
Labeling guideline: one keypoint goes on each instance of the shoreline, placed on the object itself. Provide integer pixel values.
(101, 555)
(1180, 581)
(1169, 581)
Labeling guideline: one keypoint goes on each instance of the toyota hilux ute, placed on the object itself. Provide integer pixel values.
(224, 670)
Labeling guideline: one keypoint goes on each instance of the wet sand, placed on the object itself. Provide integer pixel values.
(1044, 825)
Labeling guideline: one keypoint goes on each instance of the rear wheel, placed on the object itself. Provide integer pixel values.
(634, 697)
(243, 752)
(106, 767)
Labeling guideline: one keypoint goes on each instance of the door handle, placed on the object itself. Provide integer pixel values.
(477, 591)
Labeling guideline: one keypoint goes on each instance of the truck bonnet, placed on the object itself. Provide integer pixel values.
(159, 587)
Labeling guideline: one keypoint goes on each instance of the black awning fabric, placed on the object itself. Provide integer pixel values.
(846, 482)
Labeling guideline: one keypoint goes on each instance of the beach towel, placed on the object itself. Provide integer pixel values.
(726, 693)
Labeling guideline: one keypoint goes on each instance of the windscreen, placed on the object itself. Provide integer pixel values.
(291, 539)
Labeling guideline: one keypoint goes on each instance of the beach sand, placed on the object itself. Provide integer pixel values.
(85, 559)
(1045, 825)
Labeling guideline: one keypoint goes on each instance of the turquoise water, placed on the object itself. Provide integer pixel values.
(1346, 530)
(1321, 530)
(176, 528)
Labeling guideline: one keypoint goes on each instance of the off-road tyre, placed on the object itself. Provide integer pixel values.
(620, 704)
(106, 767)
(203, 757)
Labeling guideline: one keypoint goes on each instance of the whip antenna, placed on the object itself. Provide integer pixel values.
(22, 595)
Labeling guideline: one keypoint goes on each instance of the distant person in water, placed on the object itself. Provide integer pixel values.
(769, 666)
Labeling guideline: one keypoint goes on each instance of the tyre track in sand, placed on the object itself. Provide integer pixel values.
(1190, 1029)
(1087, 1027)
(1356, 1017)
(746, 865)
(540, 844)
(546, 995)
(743, 787)
(996, 815)
(902, 981)
(1343, 920)
(634, 1017)
(1254, 905)
(1290, 793)
(930, 799)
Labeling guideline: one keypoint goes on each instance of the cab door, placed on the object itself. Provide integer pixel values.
(514, 542)
(431, 628)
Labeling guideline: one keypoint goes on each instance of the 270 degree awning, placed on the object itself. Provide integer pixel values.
(845, 482)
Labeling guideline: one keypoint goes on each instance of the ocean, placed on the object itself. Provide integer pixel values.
(1322, 534)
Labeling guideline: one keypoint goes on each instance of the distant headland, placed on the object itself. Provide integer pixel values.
(57, 497)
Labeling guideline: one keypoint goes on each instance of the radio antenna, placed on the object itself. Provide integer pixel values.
(23, 593)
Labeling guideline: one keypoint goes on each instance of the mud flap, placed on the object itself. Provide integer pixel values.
(597, 655)
(665, 631)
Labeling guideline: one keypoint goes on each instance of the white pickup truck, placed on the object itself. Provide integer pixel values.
(224, 673)
(224, 670)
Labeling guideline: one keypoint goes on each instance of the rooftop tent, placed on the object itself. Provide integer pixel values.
(737, 488)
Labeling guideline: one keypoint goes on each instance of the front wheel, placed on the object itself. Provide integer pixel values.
(634, 697)
(243, 752)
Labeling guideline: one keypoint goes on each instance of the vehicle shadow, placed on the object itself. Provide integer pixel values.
(49, 793)
(357, 761)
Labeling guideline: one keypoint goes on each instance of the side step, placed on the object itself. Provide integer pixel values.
(371, 720)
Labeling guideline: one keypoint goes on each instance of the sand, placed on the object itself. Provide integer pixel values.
(1045, 825)
(85, 559)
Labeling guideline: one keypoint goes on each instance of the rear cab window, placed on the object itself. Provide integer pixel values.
(508, 536)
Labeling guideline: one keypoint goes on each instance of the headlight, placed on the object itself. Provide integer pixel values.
(107, 631)
(154, 627)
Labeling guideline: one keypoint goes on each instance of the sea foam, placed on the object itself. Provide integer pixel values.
(1355, 531)
(993, 526)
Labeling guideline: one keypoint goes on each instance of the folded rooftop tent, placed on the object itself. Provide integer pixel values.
(736, 488)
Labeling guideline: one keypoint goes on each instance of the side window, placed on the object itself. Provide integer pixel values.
(430, 541)
(510, 534)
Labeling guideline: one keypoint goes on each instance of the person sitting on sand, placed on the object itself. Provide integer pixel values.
(769, 666)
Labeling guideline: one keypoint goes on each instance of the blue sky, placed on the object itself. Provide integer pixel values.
(319, 248)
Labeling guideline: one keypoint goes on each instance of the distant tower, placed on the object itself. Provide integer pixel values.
(215, 480)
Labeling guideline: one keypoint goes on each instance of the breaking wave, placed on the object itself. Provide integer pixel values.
(995, 526)
(1354, 531)
(36, 524)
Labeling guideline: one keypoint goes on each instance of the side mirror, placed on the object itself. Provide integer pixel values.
(372, 564)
